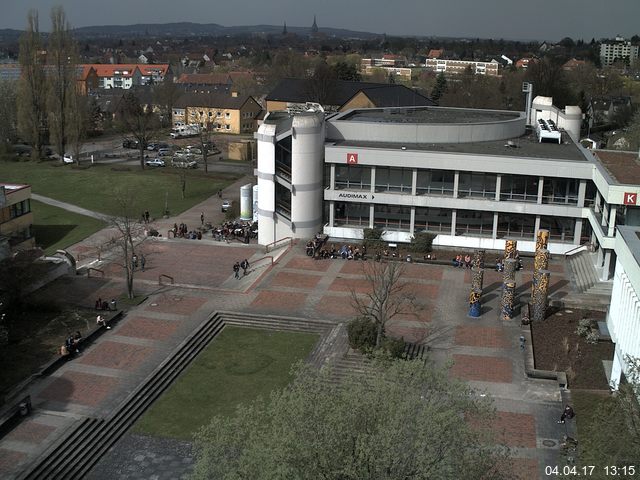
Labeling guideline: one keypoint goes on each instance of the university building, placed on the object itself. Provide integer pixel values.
(473, 178)
(16, 218)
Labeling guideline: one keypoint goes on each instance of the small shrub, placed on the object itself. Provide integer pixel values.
(584, 327)
(362, 334)
(422, 242)
(394, 347)
(592, 337)
(373, 239)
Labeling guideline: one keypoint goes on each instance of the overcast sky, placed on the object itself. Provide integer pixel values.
(511, 19)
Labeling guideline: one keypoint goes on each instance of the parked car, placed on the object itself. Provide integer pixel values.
(152, 146)
(164, 152)
(67, 158)
(154, 162)
(181, 162)
(226, 205)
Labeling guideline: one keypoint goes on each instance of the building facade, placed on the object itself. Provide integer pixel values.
(623, 316)
(618, 49)
(473, 178)
(217, 112)
(441, 65)
(16, 218)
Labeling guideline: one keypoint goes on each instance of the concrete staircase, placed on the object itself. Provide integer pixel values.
(591, 292)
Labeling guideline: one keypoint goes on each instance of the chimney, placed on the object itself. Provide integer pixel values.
(234, 94)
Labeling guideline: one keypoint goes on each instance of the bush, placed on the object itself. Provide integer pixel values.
(373, 239)
(422, 242)
(394, 346)
(584, 327)
(362, 334)
(592, 337)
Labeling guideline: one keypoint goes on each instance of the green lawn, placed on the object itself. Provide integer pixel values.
(56, 228)
(603, 434)
(238, 366)
(92, 187)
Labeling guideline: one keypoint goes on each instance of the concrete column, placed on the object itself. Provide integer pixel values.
(414, 183)
(577, 231)
(494, 233)
(412, 220)
(456, 181)
(616, 372)
(599, 257)
(332, 213)
(596, 205)
(373, 180)
(536, 226)
(582, 192)
(540, 189)
(498, 187)
(605, 266)
(612, 220)
(453, 223)
(371, 215)
(605, 215)
(332, 178)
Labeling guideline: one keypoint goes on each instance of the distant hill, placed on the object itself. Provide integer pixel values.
(186, 29)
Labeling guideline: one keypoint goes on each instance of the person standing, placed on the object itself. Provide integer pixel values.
(245, 266)
(567, 413)
(202, 218)
(143, 261)
(236, 270)
(134, 261)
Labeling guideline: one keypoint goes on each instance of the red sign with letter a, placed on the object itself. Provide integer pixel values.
(630, 198)
(352, 158)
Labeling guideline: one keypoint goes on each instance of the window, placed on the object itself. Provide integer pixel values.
(478, 223)
(560, 190)
(353, 177)
(391, 179)
(210, 114)
(19, 209)
(561, 229)
(392, 217)
(218, 114)
(516, 226)
(482, 185)
(227, 115)
(520, 188)
(353, 214)
(436, 220)
(435, 182)
(228, 127)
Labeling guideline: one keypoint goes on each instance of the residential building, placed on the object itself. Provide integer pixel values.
(573, 64)
(525, 62)
(492, 68)
(473, 178)
(618, 49)
(623, 316)
(217, 112)
(296, 93)
(435, 53)
(125, 76)
(16, 218)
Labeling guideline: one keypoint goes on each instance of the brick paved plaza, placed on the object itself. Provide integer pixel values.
(484, 351)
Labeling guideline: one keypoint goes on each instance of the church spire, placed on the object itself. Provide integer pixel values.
(284, 30)
(314, 27)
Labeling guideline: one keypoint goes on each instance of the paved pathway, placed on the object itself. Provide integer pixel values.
(70, 207)
(485, 351)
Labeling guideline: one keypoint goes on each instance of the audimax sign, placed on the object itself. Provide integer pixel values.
(355, 196)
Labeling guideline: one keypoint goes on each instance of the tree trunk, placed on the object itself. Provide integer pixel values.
(379, 334)
(142, 148)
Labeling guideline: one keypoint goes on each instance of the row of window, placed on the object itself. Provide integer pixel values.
(15, 210)
(441, 182)
(439, 220)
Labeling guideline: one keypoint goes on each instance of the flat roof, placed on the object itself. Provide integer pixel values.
(12, 187)
(624, 167)
(525, 146)
(631, 236)
(429, 115)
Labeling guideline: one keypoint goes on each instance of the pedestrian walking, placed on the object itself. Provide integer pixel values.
(219, 193)
(134, 262)
(146, 216)
(202, 218)
(236, 270)
(245, 266)
(143, 261)
(567, 413)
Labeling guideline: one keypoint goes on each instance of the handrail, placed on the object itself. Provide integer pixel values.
(272, 245)
(166, 276)
(95, 270)
(576, 249)
(270, 257)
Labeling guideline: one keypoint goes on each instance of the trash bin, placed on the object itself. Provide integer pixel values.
(409, 258)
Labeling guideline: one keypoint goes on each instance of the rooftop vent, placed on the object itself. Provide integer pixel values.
(547, 130)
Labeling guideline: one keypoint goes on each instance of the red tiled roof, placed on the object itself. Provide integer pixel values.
(433, 53)
(205, 78)
(125, 69)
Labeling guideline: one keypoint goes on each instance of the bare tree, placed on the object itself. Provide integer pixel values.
(62, 74)
(386, 297)
(77, 123)
(126, 222)
(8, 119)
(166, 94)
(205, 144)
(137, 120)
(32, 89)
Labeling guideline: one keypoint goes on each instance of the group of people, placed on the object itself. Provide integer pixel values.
(181, 231)
(71, 344)
(462, 261)
(235, 229)
(104, 305)
(500, 263)
(346, 252)
(135, 261)
(244, 265)
(145, 217)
